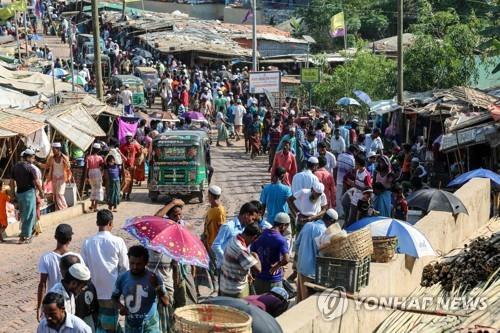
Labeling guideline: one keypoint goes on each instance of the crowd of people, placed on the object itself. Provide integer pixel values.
(322, 172)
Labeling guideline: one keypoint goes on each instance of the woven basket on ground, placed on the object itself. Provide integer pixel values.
(355, 246)
(205, 318)
(384, 248)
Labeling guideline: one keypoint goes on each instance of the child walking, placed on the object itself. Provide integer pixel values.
(400, 206)
(4, 198)
(114, 183)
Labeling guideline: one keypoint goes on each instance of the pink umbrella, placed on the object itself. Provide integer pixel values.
(170, 238)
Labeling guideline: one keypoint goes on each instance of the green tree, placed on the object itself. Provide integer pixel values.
(442, 63)
(373, 74)
(374, 25)
(297, 26)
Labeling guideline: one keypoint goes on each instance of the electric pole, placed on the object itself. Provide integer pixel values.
(254, 36)
(400, 52)
(97, 50)
(125, 8)
(73, 76)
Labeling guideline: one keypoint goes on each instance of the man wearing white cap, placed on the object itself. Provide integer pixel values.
(306, 179)
(307, 250)
(126, 96)
(23, 182)
(309, 204)
(59, 172)
(72, 284)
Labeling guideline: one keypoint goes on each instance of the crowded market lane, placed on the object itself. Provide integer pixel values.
(239, 177)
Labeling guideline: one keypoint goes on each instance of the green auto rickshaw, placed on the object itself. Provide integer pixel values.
(178, 164)
(136, 86)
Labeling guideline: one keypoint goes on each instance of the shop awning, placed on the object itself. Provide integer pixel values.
(470, 136)
(77, 126)
(73, 134)
(6, 134)
(19, 125)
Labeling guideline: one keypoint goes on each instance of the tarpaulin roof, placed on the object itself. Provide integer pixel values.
(33, 82)
(15, 99)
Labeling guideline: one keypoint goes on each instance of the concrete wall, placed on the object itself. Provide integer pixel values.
(402, 275)
(52, 218)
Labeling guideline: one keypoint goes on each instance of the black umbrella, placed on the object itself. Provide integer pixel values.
(262, 322)
(434, 199)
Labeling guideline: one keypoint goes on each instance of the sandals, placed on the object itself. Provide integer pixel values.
(23, 240)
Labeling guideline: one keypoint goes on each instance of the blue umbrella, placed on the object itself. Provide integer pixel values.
(36, 38)
(346, 101)
(58, 72)
(410, 240)
(363, 97)
(478, 173)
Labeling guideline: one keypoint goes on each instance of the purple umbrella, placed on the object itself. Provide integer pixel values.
(193, 115)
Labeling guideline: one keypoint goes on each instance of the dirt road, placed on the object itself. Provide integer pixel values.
(240, 178)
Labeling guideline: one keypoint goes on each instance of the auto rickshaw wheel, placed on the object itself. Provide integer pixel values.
(200, 196)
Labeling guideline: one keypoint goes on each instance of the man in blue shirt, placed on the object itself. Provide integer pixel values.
(261, 221)
(344, 132)
(248, 214)
(307, 251)
(272, 249)
(274, 196)
(139, 288)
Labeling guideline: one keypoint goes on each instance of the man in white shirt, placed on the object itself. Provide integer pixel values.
(85, 73)
(48, 265)
(238, 113)
(337, 143)
(309, 204)
(126, 96)
(331, 161)
(306, 179)
(106, 257)
(374, 143)
(57, 319)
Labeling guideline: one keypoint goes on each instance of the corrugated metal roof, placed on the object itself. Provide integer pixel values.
(19, 125)
(6, 133)
(78, 117)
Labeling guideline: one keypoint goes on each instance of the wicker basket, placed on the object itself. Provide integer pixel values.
(205, 318)
(384, 248)
(355, 246)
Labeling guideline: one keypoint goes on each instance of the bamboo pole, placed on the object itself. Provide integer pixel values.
(10, 159)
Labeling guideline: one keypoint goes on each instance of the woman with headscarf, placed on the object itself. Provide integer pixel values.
(383, 172)
(93, 175)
